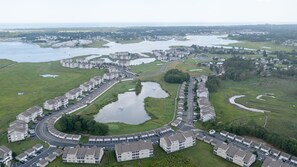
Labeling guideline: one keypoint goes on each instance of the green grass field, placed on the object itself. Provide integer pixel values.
(25, 77)
(160, 110)
(4, 63)
(97, 44)
(263, 45)
(281, 119)
(198, 156)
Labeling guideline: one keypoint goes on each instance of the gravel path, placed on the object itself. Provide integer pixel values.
(232, 101)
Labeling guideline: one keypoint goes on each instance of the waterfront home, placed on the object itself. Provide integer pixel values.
(5, 155)
(90, 155)
(177, 141)
(134, 150)
(236, 155)
(30, 114)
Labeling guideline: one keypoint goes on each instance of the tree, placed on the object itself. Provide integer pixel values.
(176, 76)
(77, 126)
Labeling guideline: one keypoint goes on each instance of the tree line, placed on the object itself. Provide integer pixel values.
(213, 83)
(80, 124)
(237, 68)
(285, 143)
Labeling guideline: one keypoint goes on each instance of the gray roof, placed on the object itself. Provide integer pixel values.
(247, 157)
(58, 151)
(179, 136)
(43, 162)
(232, 150)
(269, 162)
(37, 146)
(285, 155)
(133, 147)
(29, 151)
(275, 151)
(51, 157)
(223, 146)
(81, 152)
(4, 150)
(21, 156)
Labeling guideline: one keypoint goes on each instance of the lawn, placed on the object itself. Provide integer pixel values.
(200, 155)
(263, 45)
(191, 66)
(25, 77)
(4, 63)
(148, 69)
(97, 44)
(281, 119)
(160, 110)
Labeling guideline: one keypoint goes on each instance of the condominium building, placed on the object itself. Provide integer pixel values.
(177, 141)
(78, 154)
(5, 155)
(240, 157)
(135, 150)
(17, 131)
(74, 93)
(30, 114)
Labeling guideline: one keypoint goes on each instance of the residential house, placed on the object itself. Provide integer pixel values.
(90, 155)
(294, 160)
(30, 114)
(134, 150)
(177, 141)
(5, 155)
(63, 101)
(50, 158)
(274, 152)
(38, 147)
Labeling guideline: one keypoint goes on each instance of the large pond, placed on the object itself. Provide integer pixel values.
(129, 108)
(26, 52)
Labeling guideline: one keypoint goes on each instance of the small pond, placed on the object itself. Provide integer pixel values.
(129, 108)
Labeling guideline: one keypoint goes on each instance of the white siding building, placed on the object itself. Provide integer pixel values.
(17, 131)
(229, 152)
(78, 154)
(135, 150)
(177, 141)
(30, 114)
(5, 155)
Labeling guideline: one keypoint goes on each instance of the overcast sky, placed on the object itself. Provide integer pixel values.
(157, 11)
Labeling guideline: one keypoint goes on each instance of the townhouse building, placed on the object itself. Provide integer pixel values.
(177, 141)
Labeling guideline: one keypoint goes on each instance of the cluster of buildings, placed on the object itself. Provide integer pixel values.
(180, 110)
(207, 111)
(177, 141)
(18, 129)
(118, 58)
(82, 63)
(29, 153)
(49, 158)
(56, 103)
(173, 54)
(234, 154)
(271, 162)
(276, 155)
(5, 155)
